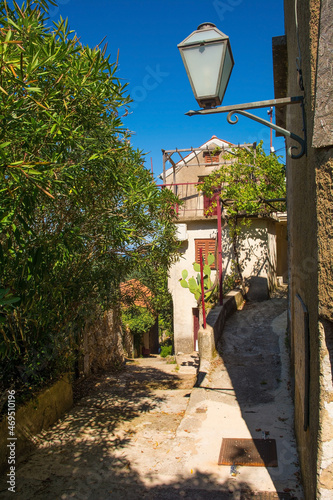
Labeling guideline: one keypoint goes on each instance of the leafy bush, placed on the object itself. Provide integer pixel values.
(166, 350)
(78, 209)
(138, 320)
(246, 183)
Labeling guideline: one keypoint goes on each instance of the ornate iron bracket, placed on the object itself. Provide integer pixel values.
(240, 109)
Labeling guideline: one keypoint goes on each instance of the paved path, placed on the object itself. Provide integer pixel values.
(118, 442)
(246, 394)
(147, 433)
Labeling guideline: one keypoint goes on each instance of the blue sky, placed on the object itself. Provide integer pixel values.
(147, 32)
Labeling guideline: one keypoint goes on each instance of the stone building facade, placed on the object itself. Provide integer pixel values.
(306, 68)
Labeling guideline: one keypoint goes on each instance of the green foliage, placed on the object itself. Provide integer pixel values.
(248, 178)
(245, 182)
(154, 274)
(166, 350)
(194, 284)
(78, 210)
(138, 320)
(232, 280)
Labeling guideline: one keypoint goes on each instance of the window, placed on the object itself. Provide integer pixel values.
(207, 204)
(208, 246)
(210, 157)
(209, 201)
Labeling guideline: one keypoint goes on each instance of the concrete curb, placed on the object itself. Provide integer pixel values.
(208, 337)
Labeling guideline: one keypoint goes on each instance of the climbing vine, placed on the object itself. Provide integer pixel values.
(247, 183)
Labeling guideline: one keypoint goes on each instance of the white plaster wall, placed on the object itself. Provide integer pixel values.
(257, 256)
(183, 299)
(272, 254)
(258, 249)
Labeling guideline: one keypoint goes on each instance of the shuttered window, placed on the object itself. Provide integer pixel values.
(209, 201)
(208, 246)
(211, 158)
(207, 204)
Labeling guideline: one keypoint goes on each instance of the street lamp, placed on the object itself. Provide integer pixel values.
(208, 61)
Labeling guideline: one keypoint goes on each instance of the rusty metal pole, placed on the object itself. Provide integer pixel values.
(202, 291)
(219, 248)
(270, 114)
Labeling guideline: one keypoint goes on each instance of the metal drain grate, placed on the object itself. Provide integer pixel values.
(266, 495)
(253, 452)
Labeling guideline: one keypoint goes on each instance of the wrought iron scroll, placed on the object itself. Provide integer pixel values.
(281, 130)
(240, 109)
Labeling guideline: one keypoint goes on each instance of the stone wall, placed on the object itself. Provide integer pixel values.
(325, 486)
(310, 201)
(208, 337)
(104, 343)
(37, 415)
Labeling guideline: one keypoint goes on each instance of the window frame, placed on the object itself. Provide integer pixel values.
(211, 159)
(209, 247)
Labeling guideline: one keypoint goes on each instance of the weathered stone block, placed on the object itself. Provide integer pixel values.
(103, 342)
(206, 343)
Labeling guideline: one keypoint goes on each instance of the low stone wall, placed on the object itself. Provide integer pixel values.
(30, 419)
(208, 337)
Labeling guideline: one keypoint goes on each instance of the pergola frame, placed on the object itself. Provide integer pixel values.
(167, 156)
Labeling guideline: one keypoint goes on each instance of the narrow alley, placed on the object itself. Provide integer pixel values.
(148, 432)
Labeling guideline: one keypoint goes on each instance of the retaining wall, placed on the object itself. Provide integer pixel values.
(208, 337)
(35, 416)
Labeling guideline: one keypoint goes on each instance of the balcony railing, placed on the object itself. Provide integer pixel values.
(195, 204)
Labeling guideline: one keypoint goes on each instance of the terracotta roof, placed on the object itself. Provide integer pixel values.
(134, 292)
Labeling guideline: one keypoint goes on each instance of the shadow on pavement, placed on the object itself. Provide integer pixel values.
(86, 455)
(91, 471)
(252, 371)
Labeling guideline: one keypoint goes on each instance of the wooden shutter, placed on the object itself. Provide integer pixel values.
(208, 246)
(208, 202)
(211, 158)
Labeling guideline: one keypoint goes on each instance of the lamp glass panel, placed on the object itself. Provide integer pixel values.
(202, 36)
(203, 64)
(227, 68)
